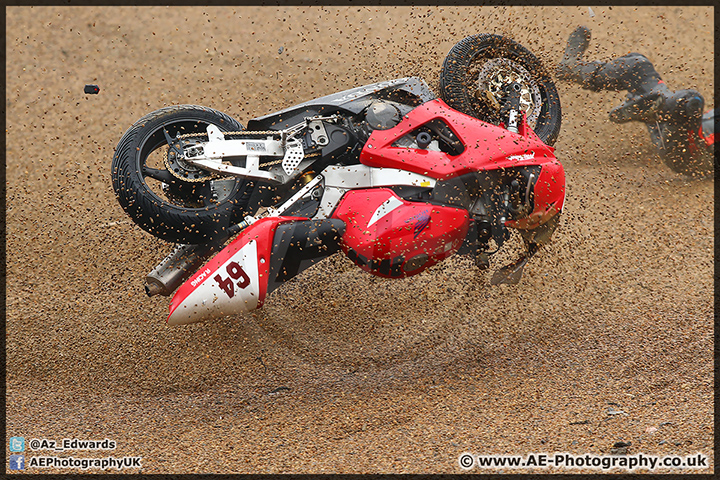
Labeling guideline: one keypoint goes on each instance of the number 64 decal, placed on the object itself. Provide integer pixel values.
(237, 273)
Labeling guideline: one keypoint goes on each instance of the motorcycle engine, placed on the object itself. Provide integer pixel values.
(379, 115)
(382, 115)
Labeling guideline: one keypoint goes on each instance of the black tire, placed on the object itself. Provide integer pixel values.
(474, 61)
(193, 211)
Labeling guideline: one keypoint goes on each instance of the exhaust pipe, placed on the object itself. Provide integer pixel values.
(169, 274)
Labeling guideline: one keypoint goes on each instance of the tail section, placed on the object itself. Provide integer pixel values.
(264, 255)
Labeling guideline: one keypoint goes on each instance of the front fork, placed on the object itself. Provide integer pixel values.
(511, 106)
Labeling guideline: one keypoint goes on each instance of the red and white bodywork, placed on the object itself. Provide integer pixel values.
(391, 237)
(384, 234)
(234, 280)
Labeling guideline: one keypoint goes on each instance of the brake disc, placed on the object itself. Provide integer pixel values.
(496, 73)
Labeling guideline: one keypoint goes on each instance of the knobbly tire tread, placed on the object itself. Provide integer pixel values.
(162, 219)
(455, 81)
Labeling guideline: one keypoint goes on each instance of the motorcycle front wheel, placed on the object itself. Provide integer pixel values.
(477, 69)
(167, 197)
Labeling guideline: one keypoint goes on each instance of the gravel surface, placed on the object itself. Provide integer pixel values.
(608, 338)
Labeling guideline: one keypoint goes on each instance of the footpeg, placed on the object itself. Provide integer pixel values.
(511, 274)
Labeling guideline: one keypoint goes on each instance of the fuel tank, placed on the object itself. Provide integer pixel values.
(392, 237)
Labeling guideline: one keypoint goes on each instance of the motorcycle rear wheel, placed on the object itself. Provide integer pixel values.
(167, 197)
(476, 69)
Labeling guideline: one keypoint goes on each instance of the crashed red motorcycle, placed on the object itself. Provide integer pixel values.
(388, 173)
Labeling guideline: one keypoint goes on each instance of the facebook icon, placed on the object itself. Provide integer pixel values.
(17, 462)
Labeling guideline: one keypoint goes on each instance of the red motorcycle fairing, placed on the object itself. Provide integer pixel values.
(494, 148)
(486, 146)
(391, 237)
(233, 281)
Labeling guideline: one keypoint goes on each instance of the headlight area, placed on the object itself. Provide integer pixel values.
(548, 195)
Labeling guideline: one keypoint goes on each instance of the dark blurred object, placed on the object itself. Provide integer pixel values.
(620, 448)
(92, 89)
